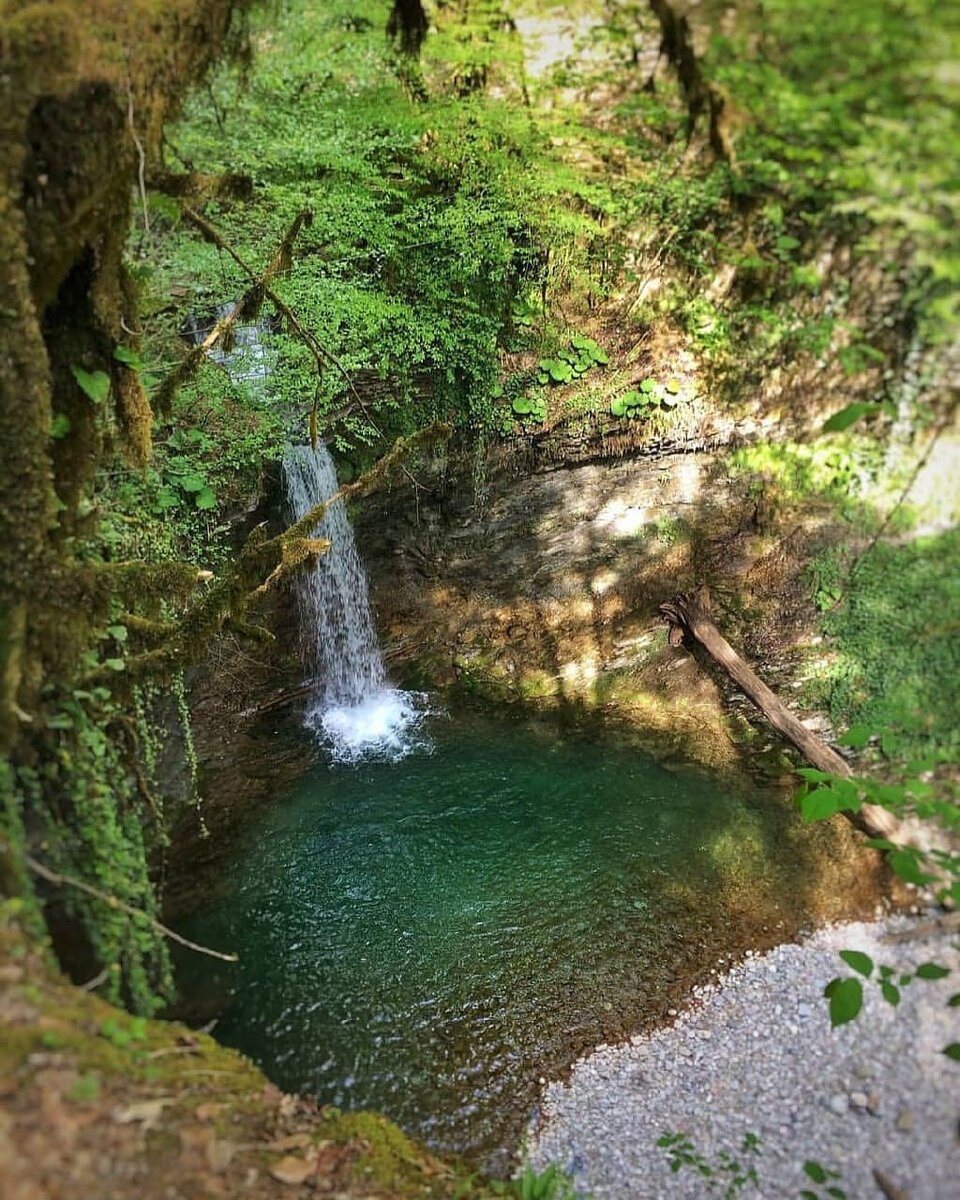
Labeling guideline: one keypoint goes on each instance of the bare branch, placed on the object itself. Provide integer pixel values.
(59, 880)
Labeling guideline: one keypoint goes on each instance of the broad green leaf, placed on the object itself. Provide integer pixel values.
(647, 385)
(846, 1000)
(60, 426)
(905, 866)
(618, 406)
(206, 499)
(954, 1001)
(890, 992)
(128, 357)
(813, 774)
(847, 416)
(193, 483)
(118, 632)
(560, 372)
(857, 736)
(953, 1051)
(859, 962)
(813, 1170)
(115, 664)
(931, 970)
(522, 406)
(819, 805)
(167, 498)
(96, 385)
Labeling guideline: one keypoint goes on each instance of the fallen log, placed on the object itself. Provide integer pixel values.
(691, 616)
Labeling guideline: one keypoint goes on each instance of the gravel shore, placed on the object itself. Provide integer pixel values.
(756, 1054)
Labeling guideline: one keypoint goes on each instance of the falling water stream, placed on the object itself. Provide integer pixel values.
(352, 707)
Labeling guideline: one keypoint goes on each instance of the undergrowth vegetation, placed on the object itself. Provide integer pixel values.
(893, 664)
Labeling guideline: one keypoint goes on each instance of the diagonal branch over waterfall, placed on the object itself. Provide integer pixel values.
(262, 562)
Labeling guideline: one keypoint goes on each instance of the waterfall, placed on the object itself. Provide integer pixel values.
(352, 707)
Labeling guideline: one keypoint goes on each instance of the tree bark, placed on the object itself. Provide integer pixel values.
(699, 93)
(407, 26)
(691, 615)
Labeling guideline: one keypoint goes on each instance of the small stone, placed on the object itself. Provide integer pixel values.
(905, 1120)
(838, 1105)
(671, 1012)
(873, 1104)
(859, 1099)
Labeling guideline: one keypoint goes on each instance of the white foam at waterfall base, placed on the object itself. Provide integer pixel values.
(354, 709)
(385, 725)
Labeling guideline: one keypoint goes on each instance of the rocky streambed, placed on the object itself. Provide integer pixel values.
(754, 1056)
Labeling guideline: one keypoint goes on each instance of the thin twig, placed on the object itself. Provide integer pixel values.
(92, 984)
(320, 352)
(65, 881)
(142, 171)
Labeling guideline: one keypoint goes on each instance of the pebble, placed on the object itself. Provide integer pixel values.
(729, 1064)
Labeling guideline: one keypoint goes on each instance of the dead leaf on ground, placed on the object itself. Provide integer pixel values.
(147, 1112)
(209, 1111)
(293, 1141)
(220, 1154)
(293, 1170)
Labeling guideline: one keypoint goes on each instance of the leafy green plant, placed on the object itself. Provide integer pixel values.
(846, 994)
(122, 1033)
(530, 408)
(548, 1184)
(822, 1178)
(725, 1176)
(576, 360)
(820, 797)
(648, 394)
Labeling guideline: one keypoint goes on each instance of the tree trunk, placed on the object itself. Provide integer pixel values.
(407, 26)
(699, 94)
(691, 615)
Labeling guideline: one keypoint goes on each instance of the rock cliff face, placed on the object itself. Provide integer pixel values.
(548, 593)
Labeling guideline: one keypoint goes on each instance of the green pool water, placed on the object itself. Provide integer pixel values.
(429, 937)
